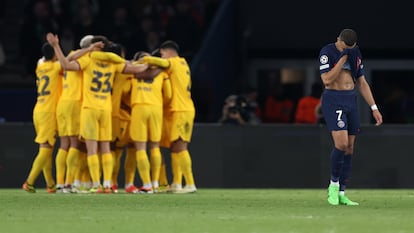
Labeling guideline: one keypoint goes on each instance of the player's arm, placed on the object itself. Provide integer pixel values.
(134, 68)
(148, 74)
(366, 93)
(156, 61)
(331, 75)
(107, 56)
(65, 63)
(79, 53)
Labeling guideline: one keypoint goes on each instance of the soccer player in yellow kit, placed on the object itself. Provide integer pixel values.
(146, 124)
(96, 124)
(120, 116)
(181, 114)
(49, 82)
(68, 120)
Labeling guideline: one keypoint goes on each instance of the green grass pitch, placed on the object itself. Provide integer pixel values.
(207, 211)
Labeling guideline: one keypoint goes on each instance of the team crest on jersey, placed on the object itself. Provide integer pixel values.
(324, 59)
(358, 62)
(187, 127)
(340, 124)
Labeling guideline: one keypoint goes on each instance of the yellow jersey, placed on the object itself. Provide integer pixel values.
(148, 91)
(98, 77)
(120, 88)
(49, 85)
(179, 73)
(72, 85)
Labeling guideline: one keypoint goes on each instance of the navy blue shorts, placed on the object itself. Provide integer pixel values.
(340, 110)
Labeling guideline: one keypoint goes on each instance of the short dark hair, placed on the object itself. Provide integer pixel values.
(348, 36)
(156, 53)
(102, 39)
(114, 48)
(47, 51)
(140, 54)
(169, 44)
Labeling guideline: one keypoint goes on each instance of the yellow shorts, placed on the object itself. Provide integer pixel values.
(45, 126)
(68, 117)
(120, 129)
(182, 123)
(166, 129)
(146, 123)
(96, 124)
(124, 137)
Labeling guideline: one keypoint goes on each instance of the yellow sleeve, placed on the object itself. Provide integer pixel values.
(120, 67)
(83, 61)
(166, 89)
(107, 56)
(127, 86)
(156, 61)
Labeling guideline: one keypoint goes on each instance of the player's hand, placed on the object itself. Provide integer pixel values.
(98, 44)
(377, 116)
(52, 39)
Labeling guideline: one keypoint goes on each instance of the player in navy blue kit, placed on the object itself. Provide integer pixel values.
(341, 70)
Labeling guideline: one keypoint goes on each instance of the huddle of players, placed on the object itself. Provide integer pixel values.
(110, 103)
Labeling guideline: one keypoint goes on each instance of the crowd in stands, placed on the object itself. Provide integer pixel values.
(137, 25)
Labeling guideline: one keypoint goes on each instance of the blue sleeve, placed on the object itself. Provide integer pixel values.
(326, 61)
(360, 65)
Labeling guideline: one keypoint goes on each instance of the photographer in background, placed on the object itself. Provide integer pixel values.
(235, 111)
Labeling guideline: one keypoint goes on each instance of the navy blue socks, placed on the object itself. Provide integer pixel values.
(346, 171)
(337, 161)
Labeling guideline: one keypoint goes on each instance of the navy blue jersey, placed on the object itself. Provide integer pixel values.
(329, 55)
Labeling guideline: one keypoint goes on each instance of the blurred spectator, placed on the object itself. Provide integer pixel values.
(62, 11)
(236, 111)
(93, 5)
(183, 29)
(252, 105)
(152, 41)
(67, 39)
(231, 112)
(305, 110)
(120, 30)
(160, 11)
(37, 22)
(278, 108)
(86, 23)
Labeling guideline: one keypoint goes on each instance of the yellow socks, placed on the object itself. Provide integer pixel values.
(47, 172)
(107, 167)
(38, 164)
(72, 164)
(116, 159)
(130, 165)
(93, 164)
(186, 167)
(176, 168)
(155, 166)
(143, 167)
(60, 162)
(83, 171)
